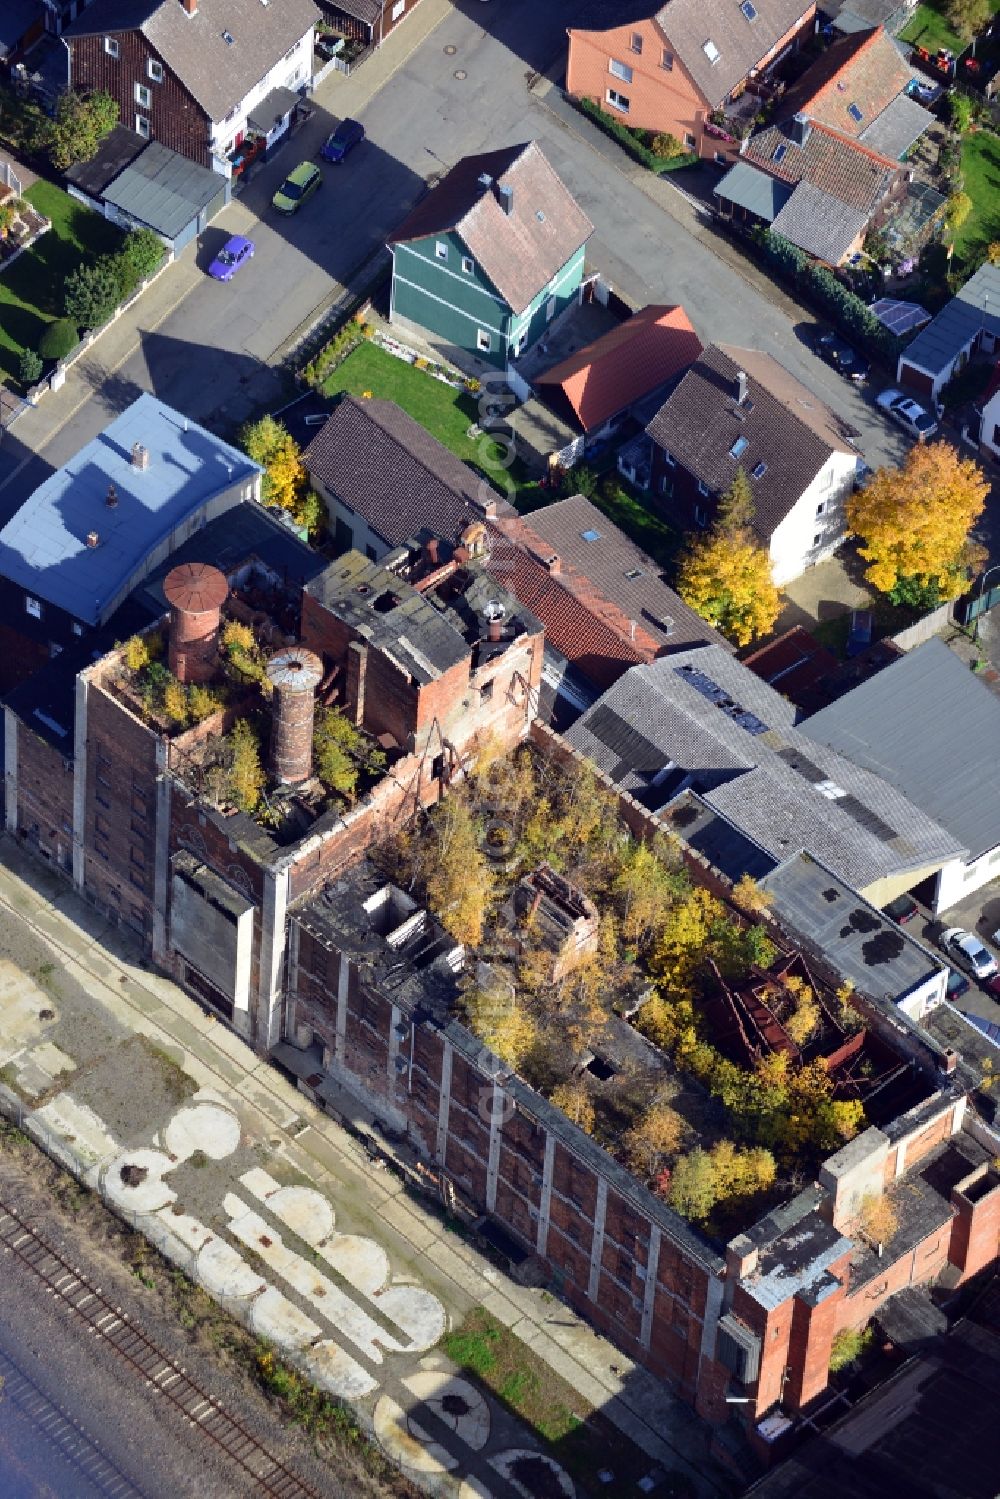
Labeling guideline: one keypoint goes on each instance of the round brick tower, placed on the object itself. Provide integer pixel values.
(294, 674)
(196, 593)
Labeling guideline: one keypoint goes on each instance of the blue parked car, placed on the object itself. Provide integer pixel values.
(346, 136)
(234, 253)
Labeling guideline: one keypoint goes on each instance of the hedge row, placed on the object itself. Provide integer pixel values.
(629, 139)
(852, 316)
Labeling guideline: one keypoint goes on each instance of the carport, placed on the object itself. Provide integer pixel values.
(165, 192)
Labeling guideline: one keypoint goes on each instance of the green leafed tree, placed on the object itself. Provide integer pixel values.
(969, 17)
(92, 293)
(246, 778)
(79, 126)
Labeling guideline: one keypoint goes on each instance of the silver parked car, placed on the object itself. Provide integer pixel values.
(969, 953)
(908, 414)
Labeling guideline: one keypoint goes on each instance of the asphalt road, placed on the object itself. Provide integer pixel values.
(464, 89)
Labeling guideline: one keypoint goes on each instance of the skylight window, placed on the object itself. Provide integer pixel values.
(739, 447)
(633, 573)
(228, 38)
(591, 535)
(760, 471)
(711, 51)
(750, 11)
(855, 113)
(780, 152)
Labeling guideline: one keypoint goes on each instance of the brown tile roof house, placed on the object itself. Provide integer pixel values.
(519, 251)
(781, 435)
(602, 600)
(720, 45)
(856, 78)
(800, 151)
(388, 471)
(644, 354)
(216, 72)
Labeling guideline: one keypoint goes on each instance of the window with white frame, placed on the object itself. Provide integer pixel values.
(143, 97)
(669, 458)
(817, 539)
(111, 46)
(821, 507)
(142, 126)
(441, 249)
(702, 487)
(155, 70)
(398, 9)
(32, 606)
(77, 628)
(635, 42)
(619, 70)
(690, 141)
(667, 60)
(468, 264)
(484, 341)
(700, 516)
(618, 101)
(721, 158)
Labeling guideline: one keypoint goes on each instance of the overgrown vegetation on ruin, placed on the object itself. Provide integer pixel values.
(709, 1135)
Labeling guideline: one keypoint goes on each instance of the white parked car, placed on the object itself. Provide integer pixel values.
(969, 953)
(908, 414)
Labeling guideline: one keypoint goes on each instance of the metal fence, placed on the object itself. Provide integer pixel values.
(9, 177)
(972, 605)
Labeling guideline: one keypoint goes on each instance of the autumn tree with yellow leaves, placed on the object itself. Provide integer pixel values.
(913, 523)
(285, 484)
(725, 574)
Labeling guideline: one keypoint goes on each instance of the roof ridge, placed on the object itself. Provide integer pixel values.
(855, 144)
(762, 354)
(369, 410)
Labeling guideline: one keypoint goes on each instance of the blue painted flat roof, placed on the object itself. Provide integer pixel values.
(43, 547)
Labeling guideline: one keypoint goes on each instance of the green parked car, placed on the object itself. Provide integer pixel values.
(297, 187)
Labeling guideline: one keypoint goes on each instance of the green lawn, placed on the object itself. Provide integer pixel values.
(576, 1436)
(31, 290)
(981, 176)
(446, 413)
(928, 27)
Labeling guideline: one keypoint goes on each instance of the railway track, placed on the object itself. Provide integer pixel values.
(162, 1375)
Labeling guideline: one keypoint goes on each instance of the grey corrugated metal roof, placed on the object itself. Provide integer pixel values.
(755, 191)
(930, 728)
(43, 547)
(900, 124)
(783, 791)
(164, 190)
(976, 306)
(819, 223)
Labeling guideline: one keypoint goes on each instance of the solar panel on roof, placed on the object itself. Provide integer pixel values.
(718, 695)
(803, 765)
(866, 818)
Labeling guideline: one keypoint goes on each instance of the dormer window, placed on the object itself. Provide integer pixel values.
(711, 51)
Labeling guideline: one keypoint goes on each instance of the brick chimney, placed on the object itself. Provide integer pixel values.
(196, 593)
(294, 674)
(191, 6)
(140, 456)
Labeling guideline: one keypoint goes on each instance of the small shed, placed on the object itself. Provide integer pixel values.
(167, 193)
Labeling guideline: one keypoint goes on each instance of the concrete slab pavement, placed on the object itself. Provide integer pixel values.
(362, 1301)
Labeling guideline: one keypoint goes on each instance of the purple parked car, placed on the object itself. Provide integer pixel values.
(234, 253)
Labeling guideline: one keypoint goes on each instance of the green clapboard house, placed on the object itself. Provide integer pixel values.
(490, 257)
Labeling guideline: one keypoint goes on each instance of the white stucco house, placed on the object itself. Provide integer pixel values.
(740, 409)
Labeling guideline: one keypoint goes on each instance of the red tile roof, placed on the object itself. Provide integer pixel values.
(627, 363)
(797, 666)
(573, 587)
(864, 71)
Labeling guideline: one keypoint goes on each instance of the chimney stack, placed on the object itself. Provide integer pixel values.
(741, 388)
(140, 456)
(112, 497)
(191, 6)
(294, 674)
(196, 593)
(494, 613)
(553, 565)
(800, 128)
(93, 539)
(506, 196)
